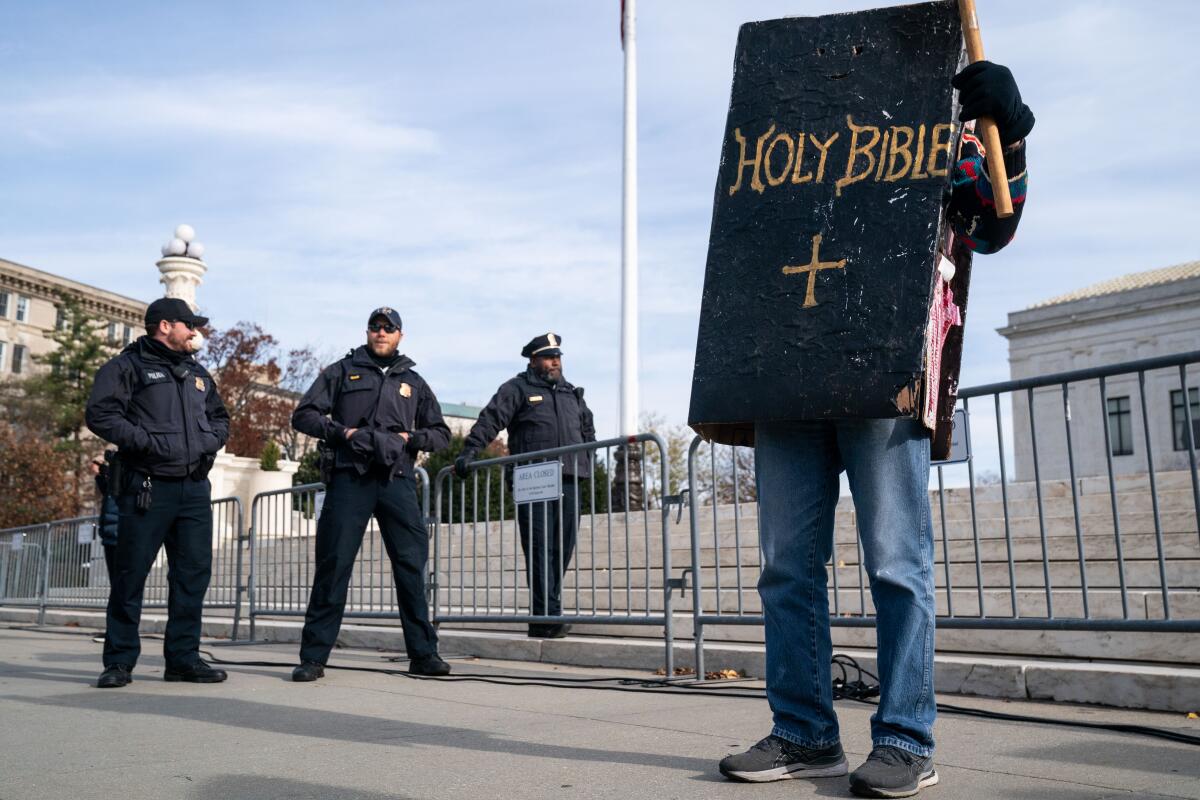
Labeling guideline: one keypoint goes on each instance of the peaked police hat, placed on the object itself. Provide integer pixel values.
(548, 344)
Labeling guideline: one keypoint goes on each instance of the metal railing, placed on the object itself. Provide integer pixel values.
(23, 568)
(282, 537)
(73, 572)
(619, 572)
(1078, 510)
(1093, 541)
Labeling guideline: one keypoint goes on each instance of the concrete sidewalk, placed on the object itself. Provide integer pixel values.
(364, 736)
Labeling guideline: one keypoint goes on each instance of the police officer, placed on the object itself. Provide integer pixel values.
(155, 403)
(541, 410)
(109, 516)
(373, 415)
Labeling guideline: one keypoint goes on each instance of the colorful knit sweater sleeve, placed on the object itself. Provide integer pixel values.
(972, 211)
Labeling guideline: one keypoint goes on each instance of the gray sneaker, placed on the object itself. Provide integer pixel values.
(776, 759)
(892, 772)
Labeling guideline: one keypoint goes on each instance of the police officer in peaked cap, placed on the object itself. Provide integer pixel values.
(374, 414)
(160, 407)
(541, 410)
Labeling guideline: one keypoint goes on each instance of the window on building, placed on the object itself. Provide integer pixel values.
(113, 332)
(3, 354)
(60, 318)
(127, 336)
(3, 305)
(20, 354)
(1120, 426)
(1179, 418)
(22, 308)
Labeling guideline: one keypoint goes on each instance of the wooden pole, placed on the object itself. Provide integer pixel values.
(987, 126)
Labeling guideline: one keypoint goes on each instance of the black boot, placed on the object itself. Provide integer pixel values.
(308, 671)
(115, 677)
(196, 672)
(431, 664)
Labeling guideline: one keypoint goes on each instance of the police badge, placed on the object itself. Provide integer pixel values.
(405, 390)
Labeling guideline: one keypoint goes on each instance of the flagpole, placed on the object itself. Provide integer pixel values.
(629, 232)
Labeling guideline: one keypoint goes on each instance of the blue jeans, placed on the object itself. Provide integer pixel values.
(887, 463)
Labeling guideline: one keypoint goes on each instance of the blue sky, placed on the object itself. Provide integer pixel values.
(461, 162)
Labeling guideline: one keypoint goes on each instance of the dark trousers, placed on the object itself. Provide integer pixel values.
(110, 562)
(179, 519)
(547, 554)
(350, 501)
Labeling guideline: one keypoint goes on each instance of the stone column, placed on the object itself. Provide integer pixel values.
(181, 265)
(181, 276)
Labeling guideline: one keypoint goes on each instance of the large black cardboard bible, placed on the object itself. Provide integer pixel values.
(827, 220)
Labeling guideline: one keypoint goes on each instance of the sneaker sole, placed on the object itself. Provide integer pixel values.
(925, 780)
(786, 773)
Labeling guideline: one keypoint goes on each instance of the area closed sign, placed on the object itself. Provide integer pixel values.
(537, 482)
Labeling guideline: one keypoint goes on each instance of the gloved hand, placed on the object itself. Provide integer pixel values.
(989, 90)
(462, 463)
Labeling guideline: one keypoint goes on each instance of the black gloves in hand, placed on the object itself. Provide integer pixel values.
(988, 90)
(462, 463)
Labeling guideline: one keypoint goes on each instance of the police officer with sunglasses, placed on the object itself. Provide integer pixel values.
(373, 414)
(160, 407)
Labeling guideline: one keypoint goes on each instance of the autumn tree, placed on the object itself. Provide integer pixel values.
(260, 384)
(677, 439)
(35, 479)
(50, 404)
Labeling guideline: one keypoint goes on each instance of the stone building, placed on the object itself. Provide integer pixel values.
(1133, 317)
(29, 314)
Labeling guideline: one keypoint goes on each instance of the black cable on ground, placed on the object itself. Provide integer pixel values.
(844, 688)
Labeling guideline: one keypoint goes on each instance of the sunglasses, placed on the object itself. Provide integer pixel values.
(375, 327)
(191, 326)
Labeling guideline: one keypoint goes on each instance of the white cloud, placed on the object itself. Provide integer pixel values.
(223, 106)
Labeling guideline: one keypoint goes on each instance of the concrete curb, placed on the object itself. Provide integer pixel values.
(1111, 683)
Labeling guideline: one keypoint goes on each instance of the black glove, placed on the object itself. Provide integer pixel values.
(988, 90)
(462, 463)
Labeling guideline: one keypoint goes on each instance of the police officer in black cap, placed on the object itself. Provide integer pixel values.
(373, 415)
(160, 407)
(541, 410)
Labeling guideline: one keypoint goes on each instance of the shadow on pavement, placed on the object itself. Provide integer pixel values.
(270, 788)
(343, 727)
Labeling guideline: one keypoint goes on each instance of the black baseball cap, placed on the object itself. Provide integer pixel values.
(172, 309)
(390, 314)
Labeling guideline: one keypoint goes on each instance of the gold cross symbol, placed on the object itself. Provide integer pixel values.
(811, 268)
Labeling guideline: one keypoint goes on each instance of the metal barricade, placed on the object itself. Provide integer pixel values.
(23, 568)
(1095, 531)
(283, 536)
(74, 569)
(620, 570)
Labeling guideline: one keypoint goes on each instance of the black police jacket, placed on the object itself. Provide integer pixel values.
(539, 415)
(355, 393)
(164, 414)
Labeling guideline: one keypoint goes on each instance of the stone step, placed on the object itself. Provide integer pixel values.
(501, 555)
(1138, 573)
